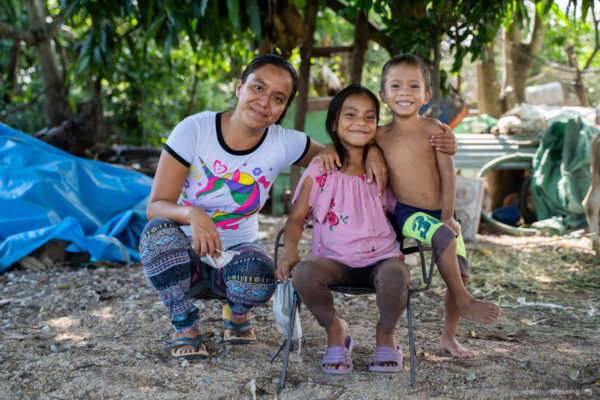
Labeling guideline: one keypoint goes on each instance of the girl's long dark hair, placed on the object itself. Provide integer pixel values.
(334, 113)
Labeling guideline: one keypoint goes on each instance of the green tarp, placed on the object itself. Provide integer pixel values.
(561, 175)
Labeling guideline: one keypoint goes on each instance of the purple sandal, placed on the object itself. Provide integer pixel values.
(386, 354)
(339, 355)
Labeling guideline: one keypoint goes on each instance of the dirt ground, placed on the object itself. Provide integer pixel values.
(100, 332)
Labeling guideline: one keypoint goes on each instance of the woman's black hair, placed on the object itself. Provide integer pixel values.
(333, 115)
(277, 61)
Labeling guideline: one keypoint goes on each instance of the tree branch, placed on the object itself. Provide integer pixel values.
(327, 51)
(536, 38)
(4, 114)
(9, 31)
(375, 33)
(589, 61)
(56, 21)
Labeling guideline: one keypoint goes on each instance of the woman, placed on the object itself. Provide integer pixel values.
(212, 178)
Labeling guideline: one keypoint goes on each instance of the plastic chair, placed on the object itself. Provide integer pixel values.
(427, 276)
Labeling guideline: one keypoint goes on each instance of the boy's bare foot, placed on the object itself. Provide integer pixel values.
(479, 311)
(336, 336)
(452, 346)
(190, 349)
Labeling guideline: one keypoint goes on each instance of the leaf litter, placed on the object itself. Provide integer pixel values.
(100, 332)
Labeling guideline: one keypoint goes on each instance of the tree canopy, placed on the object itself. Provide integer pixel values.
(132, 69)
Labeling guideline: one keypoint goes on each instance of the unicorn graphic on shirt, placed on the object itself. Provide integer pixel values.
(243, 189)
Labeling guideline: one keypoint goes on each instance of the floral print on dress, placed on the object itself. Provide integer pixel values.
(373, 250)
(332, 219)
(321, 179)
(341, 207)
(335, 218)
(308, 221)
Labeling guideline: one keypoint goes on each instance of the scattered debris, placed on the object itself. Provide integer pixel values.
(523, 302)
(251, 388)
(101, 333)
(525, 365)
(574, 375)
(32, 264)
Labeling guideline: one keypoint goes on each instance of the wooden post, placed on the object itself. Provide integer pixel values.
(361, 40)
(302, 100)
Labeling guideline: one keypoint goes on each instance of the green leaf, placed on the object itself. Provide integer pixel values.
(196, 10)
(191, 33)
(83, 64)
(97, 57)
(103, 39)
(71, 10)
(547, 7)
(203, 7)
(147, 12)
(379, 8)
(154, 27)
(254, 14)
(585, 6)
(87, 43)
(233, 7)
(167, 47)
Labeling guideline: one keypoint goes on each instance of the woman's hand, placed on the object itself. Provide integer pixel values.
(284, 267)
(445, 141)
(328, 159)
(204, 232)
(376, 168)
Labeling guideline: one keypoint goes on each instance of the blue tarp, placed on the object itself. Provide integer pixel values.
(46, 193)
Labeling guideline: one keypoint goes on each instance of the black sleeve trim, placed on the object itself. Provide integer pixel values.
(305, 150)
(177, 156)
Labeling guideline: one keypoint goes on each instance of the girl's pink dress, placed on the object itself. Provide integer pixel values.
(349, 218)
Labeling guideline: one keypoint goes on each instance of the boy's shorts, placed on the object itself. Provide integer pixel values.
(425, 226)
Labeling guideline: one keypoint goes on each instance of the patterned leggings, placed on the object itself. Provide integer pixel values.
(173, 268)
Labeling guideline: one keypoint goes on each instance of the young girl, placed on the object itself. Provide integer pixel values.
(353, 243)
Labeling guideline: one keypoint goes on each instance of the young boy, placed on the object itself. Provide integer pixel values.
(424, 183)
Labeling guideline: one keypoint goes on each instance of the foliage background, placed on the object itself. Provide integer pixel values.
(148, 63)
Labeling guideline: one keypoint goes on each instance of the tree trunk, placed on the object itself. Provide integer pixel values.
(11, 74)
(56, 104)
(303, 81)
(488, 89)
(97, 109)
(436, 78)
(361, 41)
(579, 88)
(520, 56)
(507, 92)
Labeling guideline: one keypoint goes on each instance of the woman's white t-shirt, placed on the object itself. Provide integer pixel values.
(231, 186)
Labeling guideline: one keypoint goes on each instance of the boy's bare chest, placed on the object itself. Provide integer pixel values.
(408, 144)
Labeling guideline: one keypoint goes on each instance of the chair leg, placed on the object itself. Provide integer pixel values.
(289, 341)
(411, 343)
(278, 351)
